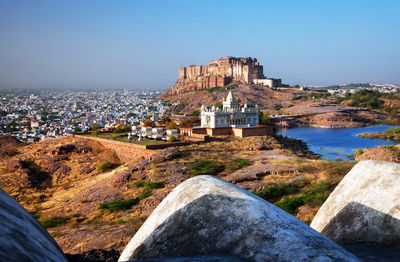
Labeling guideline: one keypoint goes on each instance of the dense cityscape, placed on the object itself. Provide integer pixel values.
(31, 116)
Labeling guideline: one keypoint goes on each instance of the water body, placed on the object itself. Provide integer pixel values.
(334, 143)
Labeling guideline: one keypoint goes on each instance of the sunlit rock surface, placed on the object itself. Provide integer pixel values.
(22, 238)
(208, 216)
(364, 207)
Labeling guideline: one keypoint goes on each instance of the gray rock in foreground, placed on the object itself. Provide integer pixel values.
(364, 207)
(22, 238)
(206, 215)
(195, 259)
(373, 252)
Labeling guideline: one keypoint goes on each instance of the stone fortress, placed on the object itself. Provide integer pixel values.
(231, 115)
(221, 73)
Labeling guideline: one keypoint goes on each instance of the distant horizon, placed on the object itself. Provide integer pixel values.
(141, 44)
(92, 89)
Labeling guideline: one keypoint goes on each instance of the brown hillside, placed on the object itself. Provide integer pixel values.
(58, 181)
(265, 97)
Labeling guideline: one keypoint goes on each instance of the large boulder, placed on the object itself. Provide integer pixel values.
(22, 238)
(209, 216)
(364, 207)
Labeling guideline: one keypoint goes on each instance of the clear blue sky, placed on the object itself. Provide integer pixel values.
(142, 44)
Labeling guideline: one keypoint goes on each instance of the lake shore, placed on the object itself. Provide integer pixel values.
(337, 143)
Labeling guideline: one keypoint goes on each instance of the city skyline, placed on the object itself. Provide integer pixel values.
(141, 45)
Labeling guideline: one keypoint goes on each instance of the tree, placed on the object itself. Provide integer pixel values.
(191, 121)
(148, 123)
(77, 129)
(219, 105)
(171, 125)
(120, 128)
(165, 120)
(264, 118)
(195, 113)
(95, 127)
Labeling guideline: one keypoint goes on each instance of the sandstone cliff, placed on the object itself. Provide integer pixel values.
(219, 72)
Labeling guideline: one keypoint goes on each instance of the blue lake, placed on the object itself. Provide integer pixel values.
(336, 143)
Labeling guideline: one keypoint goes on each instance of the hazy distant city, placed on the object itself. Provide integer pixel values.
(31, 116)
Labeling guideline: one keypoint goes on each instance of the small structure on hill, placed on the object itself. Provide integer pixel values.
(232, 119)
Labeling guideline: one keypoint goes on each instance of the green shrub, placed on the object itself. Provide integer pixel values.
(144, 195)
(219, 105)
(204, 166)
(195, 113)
(153, 185)
(359, 152)
(315, 199)
(277, 191)
(395, 130)
(264, 118)
(241, 162)
(317, 188)
(50, 222)
(119, 205)
(313, 196)
(147, 185)
(171, 139)
(290, 204)
(364, 98)
(237, 163)
(138, 183)
(106, 165)
(338, 168)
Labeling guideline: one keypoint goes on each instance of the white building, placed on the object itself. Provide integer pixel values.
(270, 82)
(231, 115)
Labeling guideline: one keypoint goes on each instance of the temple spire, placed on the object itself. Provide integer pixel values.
(229, 97)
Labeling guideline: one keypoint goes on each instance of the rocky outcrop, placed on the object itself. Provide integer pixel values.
(165, 155)
(8, 146)
(381, 153)
(22, 238)
(28, 173)
(206, 215)
(364, 207)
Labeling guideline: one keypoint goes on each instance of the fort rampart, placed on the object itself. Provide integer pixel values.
(126, 152)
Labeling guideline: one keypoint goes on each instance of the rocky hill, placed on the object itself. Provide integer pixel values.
(267, 98)
(93, 210)
(208, 219)
(85, 206)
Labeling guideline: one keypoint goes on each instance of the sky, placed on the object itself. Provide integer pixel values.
(132, 44)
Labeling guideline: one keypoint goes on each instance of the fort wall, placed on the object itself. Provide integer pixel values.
(253, 131)
(218, 73)
(126, 152)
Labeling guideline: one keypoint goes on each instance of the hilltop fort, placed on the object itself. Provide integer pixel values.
(222, 72)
